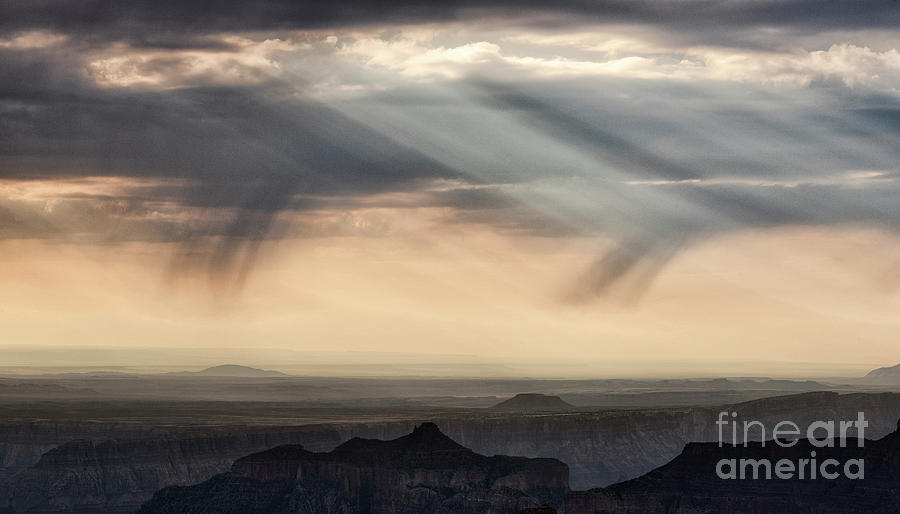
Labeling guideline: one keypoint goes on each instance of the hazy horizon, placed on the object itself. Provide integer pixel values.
(22, 361)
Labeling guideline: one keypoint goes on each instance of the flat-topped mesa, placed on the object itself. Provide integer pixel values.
(236, 370)
(534, 402)
(424, 471)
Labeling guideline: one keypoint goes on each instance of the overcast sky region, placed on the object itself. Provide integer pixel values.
(713, 182)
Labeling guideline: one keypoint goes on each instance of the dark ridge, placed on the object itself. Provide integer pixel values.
(690, 483)
(425, 438)
(424, 471)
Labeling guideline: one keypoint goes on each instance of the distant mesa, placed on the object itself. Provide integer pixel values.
(885, 376)
(534, 402)
(235, 370)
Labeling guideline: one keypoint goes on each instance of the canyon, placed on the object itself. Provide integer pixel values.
(59, 466)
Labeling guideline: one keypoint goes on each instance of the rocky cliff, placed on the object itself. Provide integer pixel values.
(691, 484)
(424, 471)
(607, 447)
(600, 448)
(118, 476)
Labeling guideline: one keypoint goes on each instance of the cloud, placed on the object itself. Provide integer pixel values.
(241, 62)
(33, 39)
(710, 162)
(605, 52)
(247, 149)
(134, 20)
(646, 123)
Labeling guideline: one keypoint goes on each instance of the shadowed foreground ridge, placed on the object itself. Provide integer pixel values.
(117, 476)
(424, 471)
(689, 483)
(50, 466)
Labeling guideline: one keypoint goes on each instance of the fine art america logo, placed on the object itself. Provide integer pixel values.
(821, 434)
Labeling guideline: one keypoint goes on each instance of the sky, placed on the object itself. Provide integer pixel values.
(590, 188)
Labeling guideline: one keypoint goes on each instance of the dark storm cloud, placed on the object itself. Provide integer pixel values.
(216, 137)
(248, 149)
(175, 22)
(232, 159)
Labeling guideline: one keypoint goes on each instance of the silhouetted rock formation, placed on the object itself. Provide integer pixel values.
(601, 447)
(118, 476)
(534, 402)
(690, 484)
(606, 447)
(424, 471)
